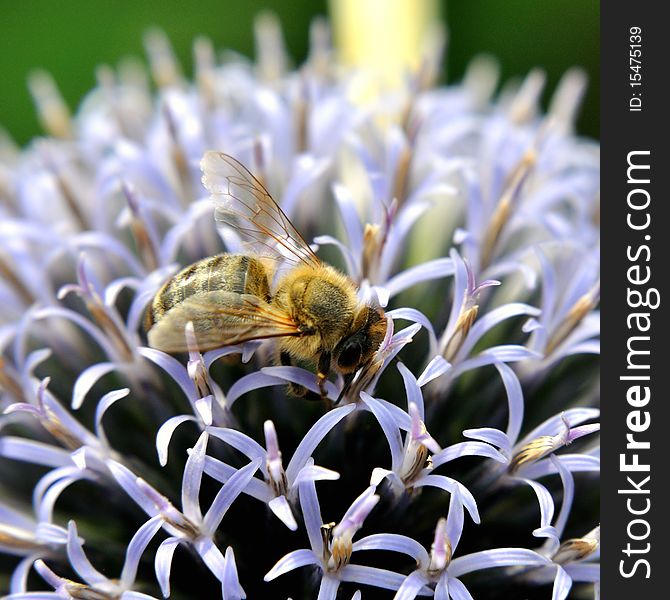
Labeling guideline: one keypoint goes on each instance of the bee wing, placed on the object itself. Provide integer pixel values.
(220, 319)
(243, 203)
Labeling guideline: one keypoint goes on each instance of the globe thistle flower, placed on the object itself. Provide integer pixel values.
(469, 217)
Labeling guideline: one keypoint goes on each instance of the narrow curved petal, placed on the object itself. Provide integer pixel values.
(311, 513)
(227, 495)
(583, 572)
(380, 578)
(545, 500)
(79, 560)
(412, 389)
(136, 548)
(105, 402)
(388, 426)
(394, 543)
(555, 424)
(293, 560)
(230, 582)
(192, 478)
(282, 510)
(416, 316)
(35, 452)
(436, 367)
(328, 588)
(223, 472)
(314, 437)
(433, 269)
(499, 557)
(573, 462)
(164, 436)
(457, 590)
(174, 369)
(88, 378)
(411, 586)
(562, 584)
(163, 563)
(466, 449)
(238, 440)
(315, 473)
(449, 484)
(514, 402)
(253, 381)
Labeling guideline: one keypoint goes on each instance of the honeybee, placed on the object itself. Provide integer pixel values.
(311, 307)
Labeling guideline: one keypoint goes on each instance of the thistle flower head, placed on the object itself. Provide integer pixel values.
(466, 219)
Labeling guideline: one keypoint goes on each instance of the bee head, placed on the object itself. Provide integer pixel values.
(358, 348)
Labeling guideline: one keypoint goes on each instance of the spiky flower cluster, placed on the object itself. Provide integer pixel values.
(471, 217)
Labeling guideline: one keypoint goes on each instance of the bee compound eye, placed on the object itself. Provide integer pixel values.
(350, 355)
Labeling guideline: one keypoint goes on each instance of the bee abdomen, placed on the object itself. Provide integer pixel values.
(224, 272)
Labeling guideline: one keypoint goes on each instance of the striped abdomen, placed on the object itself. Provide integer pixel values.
(224, 272)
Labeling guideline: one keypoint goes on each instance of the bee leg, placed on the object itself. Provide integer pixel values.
(323, 367)
(293, 388)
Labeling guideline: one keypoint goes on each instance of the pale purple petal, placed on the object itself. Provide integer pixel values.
(190, 487)
(174, 369)
(466, 449)
(79, 561)
(394, 543)
(311, 512)
(35, 452)
(231, 588)
(19, 579)
(436, 367)
(388, 426)
(282, 510)
(328, 588)
(350, 218)
(573, 462)
(136, 548)
(315, 473)
(500, 557)
(314, 437)
(554, 425)
(491, 436)
(412, 389)
(492, 318)
(351, 260)
(222, 472)
(545, 500)
(433, 269)
(455, 520)
(164, 435)
(416, 316)
(586, 572)
(381, 578)
(568, 494)
(515, 404)
(105, 402)
(411, 586)
(293, 560)
(302, 377)
(88, 378)
(240, 441)
(562, 584)
(227, 495)
(458, 591)
(449, 484)
(163, 563)
(253, 381)
(129, 482)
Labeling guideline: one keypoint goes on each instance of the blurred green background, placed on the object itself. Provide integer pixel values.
(69, 38)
